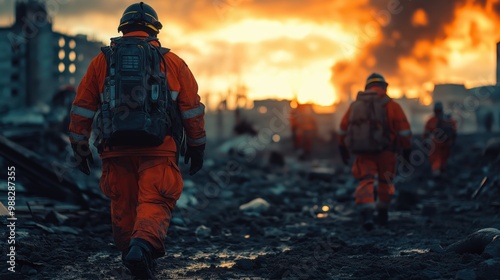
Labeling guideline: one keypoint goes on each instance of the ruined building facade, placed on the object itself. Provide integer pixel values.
(35, 61)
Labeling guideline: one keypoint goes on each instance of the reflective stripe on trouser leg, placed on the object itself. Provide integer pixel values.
(160, 186)
(364, 169)
(119, 183)
(364, 192)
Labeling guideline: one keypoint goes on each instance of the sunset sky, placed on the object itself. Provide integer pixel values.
(319, 50)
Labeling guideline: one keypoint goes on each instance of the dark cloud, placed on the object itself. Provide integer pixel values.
(390, 48)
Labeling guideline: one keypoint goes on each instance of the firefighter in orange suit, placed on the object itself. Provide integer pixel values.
(305, 129)
(380, 166)
(293, 119)
(442, 129)
(143, 183)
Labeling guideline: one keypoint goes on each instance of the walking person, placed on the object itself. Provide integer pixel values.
(143, 98)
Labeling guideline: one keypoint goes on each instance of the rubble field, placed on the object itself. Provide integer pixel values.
(256, 214)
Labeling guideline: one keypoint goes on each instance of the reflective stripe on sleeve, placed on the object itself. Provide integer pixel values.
(86, 113)
(406, 132)
(174, 95)
(77, 137)
(193, 112)
(198, 141)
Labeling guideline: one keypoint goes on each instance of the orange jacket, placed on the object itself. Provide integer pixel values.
(432, 125)
(184, 90)
(399, 127)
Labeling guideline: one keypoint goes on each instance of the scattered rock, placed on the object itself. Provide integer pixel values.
(28, 270)
(257, 205)
(203, 231)
(321, 173)
(475, 242)
(492, 250)
(466, 274)
(55, 218)
(407, 200)
(492, 148)
(429, 210)
(276, 159)
(431, 274)
(489, 269)
(244, 264)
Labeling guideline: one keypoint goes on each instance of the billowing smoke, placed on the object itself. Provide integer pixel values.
(402, 42)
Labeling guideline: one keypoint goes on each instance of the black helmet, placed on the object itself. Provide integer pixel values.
(140, 14)
(375, 79)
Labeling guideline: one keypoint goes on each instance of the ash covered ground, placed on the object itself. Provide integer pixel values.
(303, 225)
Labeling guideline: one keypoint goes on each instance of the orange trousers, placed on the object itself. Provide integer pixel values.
(370, 167)
(304, 140)
(439, 157)
(143, 192)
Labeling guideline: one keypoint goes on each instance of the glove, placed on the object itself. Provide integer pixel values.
(406, 155)
(344, 153)
(83, 156)
(195, 153)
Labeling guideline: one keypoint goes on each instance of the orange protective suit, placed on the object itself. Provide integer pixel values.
(142, 183)
(439, 154)
(305, 127)
(380, 166)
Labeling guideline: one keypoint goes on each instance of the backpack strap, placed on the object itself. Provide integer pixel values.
(164, 51)
(107, 51)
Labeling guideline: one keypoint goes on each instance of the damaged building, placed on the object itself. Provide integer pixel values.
(35, 60)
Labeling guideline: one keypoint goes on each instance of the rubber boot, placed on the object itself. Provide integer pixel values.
(139, 260)
(382, 216)
(367, 219)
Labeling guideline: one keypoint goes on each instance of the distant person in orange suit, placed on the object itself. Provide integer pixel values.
(293, 119)
(305, 129)
(375, 129)
(442, 129)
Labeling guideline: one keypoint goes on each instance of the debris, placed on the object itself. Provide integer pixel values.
(492, 148)
(244, 264)
(489, 269)
(49, 181)
(466, 274)
(3, 210)
(476, 242)
(203, 231)
(480, 188)
(55, 218)
(276, 159)
(257, 205)
(492, 250)
(321, 173)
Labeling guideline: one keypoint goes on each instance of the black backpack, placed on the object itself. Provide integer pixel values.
(368, 130)
(136, 107)
(445, 128)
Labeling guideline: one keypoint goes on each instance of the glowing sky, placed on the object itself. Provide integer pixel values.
(319, 50)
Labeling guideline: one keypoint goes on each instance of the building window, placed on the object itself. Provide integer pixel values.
(14, 77)
(61, 67)
(62, 42)
(15, 61)
(14, 92)
(72, 80)
(72, 56)
(72, 68)
(72, 44)
(81, 57)
(62, 54)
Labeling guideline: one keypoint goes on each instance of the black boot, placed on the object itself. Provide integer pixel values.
(139, 260)
(367, 219)
(382, 216)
